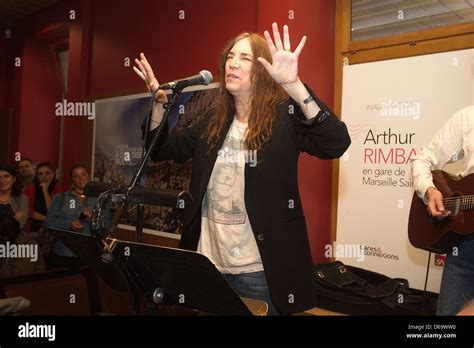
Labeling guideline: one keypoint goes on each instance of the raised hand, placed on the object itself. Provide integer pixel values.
(284, 67)
(145, 72)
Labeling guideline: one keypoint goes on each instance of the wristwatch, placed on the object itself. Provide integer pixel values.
(322, 115)
(308, 100)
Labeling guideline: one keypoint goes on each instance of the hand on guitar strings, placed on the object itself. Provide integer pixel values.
(435, 206)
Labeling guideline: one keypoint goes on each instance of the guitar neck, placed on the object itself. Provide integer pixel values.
(459, 203)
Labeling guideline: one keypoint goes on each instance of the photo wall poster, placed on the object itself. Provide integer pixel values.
(118, 144)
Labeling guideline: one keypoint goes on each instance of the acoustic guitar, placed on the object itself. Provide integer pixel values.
(441, 236)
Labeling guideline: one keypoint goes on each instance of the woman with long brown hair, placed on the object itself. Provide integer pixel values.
(13, 203)
(246, 216)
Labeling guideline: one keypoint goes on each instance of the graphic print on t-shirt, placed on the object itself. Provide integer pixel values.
(226, 236)
(223, 202)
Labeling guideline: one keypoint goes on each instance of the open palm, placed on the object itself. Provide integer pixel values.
(284, 67)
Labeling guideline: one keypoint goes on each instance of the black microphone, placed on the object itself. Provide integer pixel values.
(95, 188)
(141, 195)
(203, 78)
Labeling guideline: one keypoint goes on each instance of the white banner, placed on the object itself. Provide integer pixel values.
(392, 108)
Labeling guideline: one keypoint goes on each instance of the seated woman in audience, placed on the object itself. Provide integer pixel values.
(71, 210)
(40, 194)
(9, 230)
(12, 202)
(13, 217)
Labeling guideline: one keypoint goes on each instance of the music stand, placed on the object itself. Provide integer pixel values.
(177, 276)
(91, 254)
(162, 275)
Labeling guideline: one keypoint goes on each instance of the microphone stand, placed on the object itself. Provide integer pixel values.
(98, 221)
(168, 108)
(138, 174)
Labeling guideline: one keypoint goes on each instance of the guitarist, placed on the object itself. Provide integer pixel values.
(453, 142)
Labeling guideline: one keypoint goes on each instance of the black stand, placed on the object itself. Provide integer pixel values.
(95, 255)
(123, 194)
(162, 275)
(168, 108)
(178, 277)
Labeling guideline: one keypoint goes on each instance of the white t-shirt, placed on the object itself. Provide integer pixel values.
(226, 235)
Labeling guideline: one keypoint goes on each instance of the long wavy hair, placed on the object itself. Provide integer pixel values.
(266, 95)
(17, 186)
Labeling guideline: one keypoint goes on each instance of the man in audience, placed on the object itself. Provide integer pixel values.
(27, 170)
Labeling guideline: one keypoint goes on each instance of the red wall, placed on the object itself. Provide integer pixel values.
(315, 19)
(176, 47)
(3, 70)
(39, 126)
(4, 117)
(77, 141)
(106, 32)
(33, 88)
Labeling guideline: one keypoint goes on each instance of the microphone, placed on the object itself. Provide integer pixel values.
(203, 78)
(95, 188)
(142, 195)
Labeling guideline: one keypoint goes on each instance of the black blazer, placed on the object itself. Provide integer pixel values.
(272, 199)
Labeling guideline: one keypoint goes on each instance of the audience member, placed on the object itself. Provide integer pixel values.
(40, 194)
